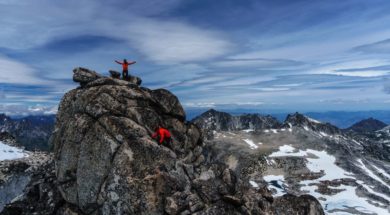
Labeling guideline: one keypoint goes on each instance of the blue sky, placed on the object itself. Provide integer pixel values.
(300, 55)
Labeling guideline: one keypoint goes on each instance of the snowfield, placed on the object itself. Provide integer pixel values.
(340, 203)
(10, 153)
(287, 150)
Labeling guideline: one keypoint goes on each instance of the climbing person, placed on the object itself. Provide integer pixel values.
(125, 68)
(163, 136)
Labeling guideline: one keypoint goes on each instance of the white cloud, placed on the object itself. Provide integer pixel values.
(271, 89)
(22, 110)
(13, 72)
(363, 73)
(344, 68)
(259, 62)
(168, 42)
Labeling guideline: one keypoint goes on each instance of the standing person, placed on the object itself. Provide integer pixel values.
(125, 68)
(163, 135)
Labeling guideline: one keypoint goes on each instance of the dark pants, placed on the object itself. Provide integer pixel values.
(167, 142)
(125, 74)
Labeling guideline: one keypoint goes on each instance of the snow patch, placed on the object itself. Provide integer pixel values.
(251, 144)
(248, 130)
(254, 184)
(274, 131)
(287, 150)
(326, 163)
(356, 142)
(270, 162)
(324, 134)
(10, 153)
(306, 128)
(383, 172)
(313, 120)
(276, 182)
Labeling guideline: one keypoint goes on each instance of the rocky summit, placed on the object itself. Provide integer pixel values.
(107, 163)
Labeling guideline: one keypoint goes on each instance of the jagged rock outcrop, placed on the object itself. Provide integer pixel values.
(213, 120)
(107, 163)
(303, 121)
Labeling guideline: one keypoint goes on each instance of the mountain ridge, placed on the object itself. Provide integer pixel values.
(31, 132)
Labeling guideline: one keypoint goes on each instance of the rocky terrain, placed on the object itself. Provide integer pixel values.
(212, 120)
(16, 168)
(31, 132)
(348, 172)
(105, 161)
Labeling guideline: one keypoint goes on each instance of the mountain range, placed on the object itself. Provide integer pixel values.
(31, 132)
(341, 119)
(348, 170)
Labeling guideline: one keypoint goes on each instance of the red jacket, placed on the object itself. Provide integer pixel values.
(125, 66)
(164, 133)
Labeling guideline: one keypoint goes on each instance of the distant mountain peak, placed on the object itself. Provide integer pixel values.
(300, 120)
(367, 125)
(213, 120)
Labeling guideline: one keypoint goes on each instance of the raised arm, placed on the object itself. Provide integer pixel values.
(132, 62)
(118, 62)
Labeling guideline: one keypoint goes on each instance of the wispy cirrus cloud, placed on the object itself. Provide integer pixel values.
(259, 62)
(12, 71)
(176, 42)
(380, 47)
(386, 87)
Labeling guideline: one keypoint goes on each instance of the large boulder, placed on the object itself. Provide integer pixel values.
(105, 157)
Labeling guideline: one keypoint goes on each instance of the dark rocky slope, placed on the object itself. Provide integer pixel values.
(107, 163)
(367, 125)
(213, 120)
(31, 132)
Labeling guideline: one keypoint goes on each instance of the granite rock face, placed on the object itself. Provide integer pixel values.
(107, 163)
(16, 175)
